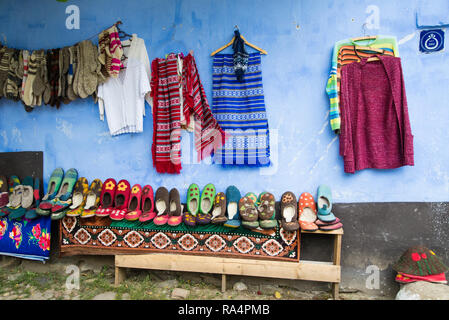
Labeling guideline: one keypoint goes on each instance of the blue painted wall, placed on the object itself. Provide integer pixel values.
(298, 35)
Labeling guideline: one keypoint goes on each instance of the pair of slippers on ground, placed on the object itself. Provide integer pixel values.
(306, 217)
(23, 197)
(168, 207)
(58, 199)
(259, 211)
(119, 201)
(85, 198)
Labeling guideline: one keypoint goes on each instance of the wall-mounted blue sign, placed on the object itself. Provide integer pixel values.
(431, 41)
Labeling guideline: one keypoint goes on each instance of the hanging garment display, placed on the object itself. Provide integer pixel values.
(375, 131)
(169, 103)
(240, 110)
(122, 98)
(349, 51)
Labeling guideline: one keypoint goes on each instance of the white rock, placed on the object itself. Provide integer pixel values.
(179, 293)
(240, 286)
(423, 290)
(105, 296)
(168, 284)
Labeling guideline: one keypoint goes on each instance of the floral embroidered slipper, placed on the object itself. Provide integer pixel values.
(267, 211)
(307, 212)
(63, 199)
(219, 210)
(162, 206)
(92, 199)
(175, 214)
(289, 214)
(52, 190)
(79, 197)
(325, 204)
(121, 200)
(206, 203)
(248, 213)
(134, 211)
(193, 201)
(148, 213)
(4, 194)
(107, 198)
(232, 207)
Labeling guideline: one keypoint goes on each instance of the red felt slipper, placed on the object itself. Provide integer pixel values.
(107, 198)
(148, 213)
(332, 227)
(320, 223)
(307, 214)
(134, 211)
(121, 200)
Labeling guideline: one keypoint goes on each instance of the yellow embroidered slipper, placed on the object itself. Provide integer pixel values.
(79, 198)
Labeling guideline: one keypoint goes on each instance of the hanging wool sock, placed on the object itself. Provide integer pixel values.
(4, 69)
(13, 81)
(26, 57)
(77, 69)
(90, 80)
(115, 51)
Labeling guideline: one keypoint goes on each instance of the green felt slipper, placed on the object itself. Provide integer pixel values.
(193, 199)
(207, 198)
(52, 190)
(267, 211)
(232, 207)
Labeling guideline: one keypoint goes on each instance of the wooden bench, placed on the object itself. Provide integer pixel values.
(302, 270)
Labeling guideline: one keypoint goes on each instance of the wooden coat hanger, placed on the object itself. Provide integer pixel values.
(365, 37)
(232, 41)
(369, 49)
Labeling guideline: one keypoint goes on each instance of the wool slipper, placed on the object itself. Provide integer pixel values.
(13, 183)
(324, 201)
(232, 207)
(79, 193)
(307, 214)
(92, 199)
(26, 201)
(219, 210)
(63, 199)
(175, 213)
(121, 200)
(107, 198)
(267, 211)
(52, 189)
(248, 213)
(148, 213)
(331, 227)
(320, 223)
(193, 205)
(252, 196)
(31, 214)
(4, 195)
(207, 198)
(162, 206)
(289, 214)
(133, 213)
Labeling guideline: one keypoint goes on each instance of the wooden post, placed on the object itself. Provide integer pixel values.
(223, 283)
(337, 261)
(120, 275)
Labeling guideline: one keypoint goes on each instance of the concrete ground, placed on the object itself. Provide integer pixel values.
(86, 278)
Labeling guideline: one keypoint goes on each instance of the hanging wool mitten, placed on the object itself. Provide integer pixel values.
(4, 69)
(240, 56)
(13, 81)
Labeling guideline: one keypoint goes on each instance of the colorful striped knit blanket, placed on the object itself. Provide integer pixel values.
(165, 90)
(240, 110)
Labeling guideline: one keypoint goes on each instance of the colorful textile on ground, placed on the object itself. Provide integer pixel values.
(28, 239)
(408, 278)
(168, 105)
(239, 108)
(101, 236)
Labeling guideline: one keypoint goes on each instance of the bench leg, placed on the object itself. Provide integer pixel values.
(120, 275)
(335, 290)
(223, 283)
